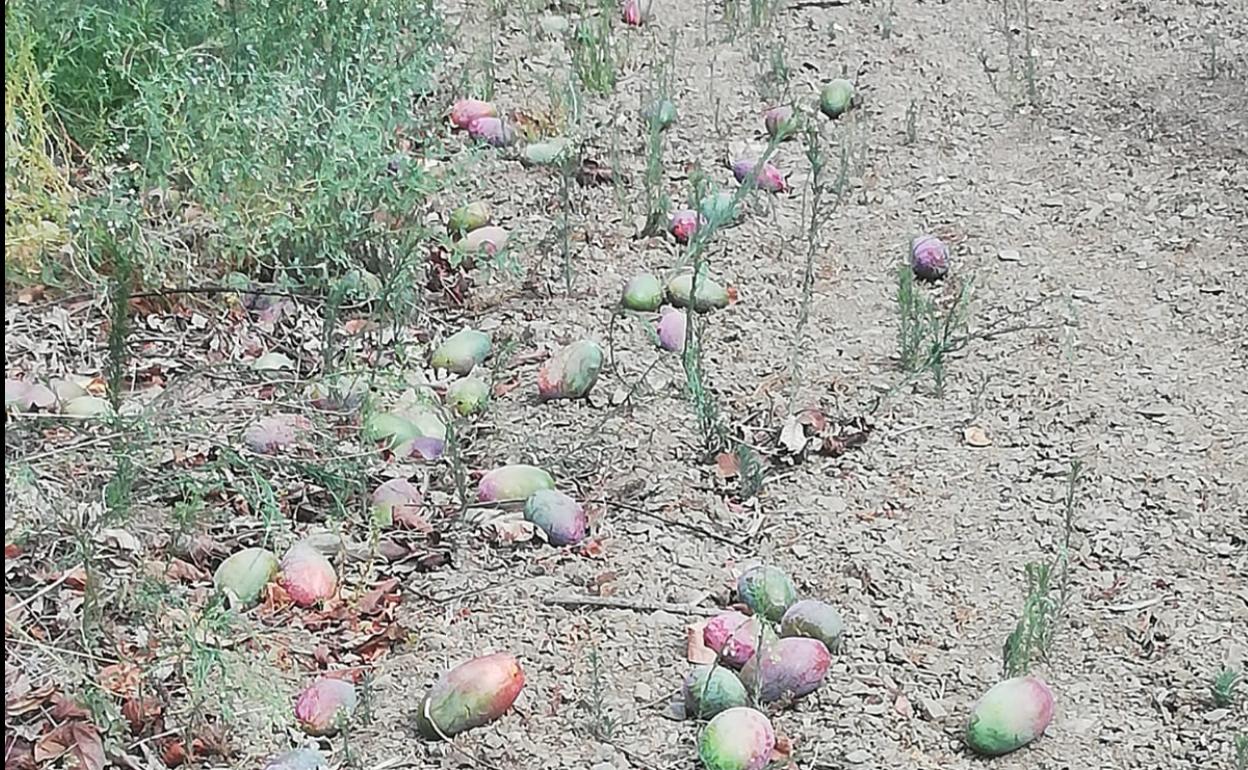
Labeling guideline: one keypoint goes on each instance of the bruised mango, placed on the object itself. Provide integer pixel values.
(735, 636)
(465, 111)
(836, 97)
(765, 175)
(1010, 715)
(513, 483)
(671, 329)
(495, 132)
(709, 690)
(767, 591)
(710, 295)
(307, 576)
(779, 122)
(558, 515)
(643, 292)
(816, 620)
(243, 576)
(489, 239)
(472, 694)
(571, 372)
(396, 496)
(929, 258)
(786, 668)
(683, 224)
(469, 217)
(461, 351)
(737, 739)
(468, 395)
(325, 706)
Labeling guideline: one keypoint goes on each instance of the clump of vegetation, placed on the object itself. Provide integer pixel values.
(1223, 689)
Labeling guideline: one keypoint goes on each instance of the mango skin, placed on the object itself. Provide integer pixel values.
(465, 111)
(709, 690)
(461, 351)
(711, 295)
(672, 329)
(469, 217)
(558, 515)
(571, 372)
(735, 636)
(470, 695)
(836, 97)
(245, 574)
(307, 576)
(392, 494)
(323, 705)
(643, 293)
(789, 667)
(816, 620)
(767, 591)
(467, 396)
(929, 258)
(513, 483)
(737, 739)
(1010, 715)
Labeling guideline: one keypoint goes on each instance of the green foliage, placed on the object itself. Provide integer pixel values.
(1224, 686)
(602, 724)
(928, 332)
(263, 136)
(594, 54)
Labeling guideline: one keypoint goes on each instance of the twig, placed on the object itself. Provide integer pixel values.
(1135, 606)
(675, 523)
(67, 448)
(637, 605)
(64, 576)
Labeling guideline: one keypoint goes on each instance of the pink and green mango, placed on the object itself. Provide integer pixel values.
(779, 122)
(683, 224)
(469, 217)
(419, 434)
(1010, 715)
(558, 515)
(243, 576)
(786, 668)
(571, 372)
(513, 483)
(470, 695)
(489, 239)
(495, 132)
(671, 329)
(766, 175)
(836, 97)
(467, 396)
(325, 706)
(307, 576)
(767, 591)
(461, 351)
(709, 690)
(465, 111)
(643, 292)
(735, 636)
(711, 295)
(395, 496)
(737, 739)
(815, 620)
(636, 12)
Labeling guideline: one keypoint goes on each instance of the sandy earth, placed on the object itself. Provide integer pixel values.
(1122, 202)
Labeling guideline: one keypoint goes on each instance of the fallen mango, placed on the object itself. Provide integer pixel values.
(325, 706)
(571, 372)
(513, 483)
(307, 576)
(709, 690)
(786, 668)
(1010, 715)
(472, 694)
(243, 576)
(737, 739)
(460, 352)
(767, 591)
(558, 515)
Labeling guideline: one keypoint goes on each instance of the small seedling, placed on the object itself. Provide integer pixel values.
(1241, 752)
(912, 122)
(928, 333)
(602, 725)
(594, 54)
(1224, 686)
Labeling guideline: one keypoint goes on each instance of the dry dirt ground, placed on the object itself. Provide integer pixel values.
(1120, 200)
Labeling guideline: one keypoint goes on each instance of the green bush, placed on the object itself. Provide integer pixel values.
(268, 136)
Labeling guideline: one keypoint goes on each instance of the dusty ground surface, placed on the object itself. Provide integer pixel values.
(1121, 201)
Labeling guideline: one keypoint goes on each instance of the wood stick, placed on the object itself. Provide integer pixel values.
(637, 605)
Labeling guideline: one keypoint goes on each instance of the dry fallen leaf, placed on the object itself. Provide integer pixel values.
(728, 465)
(976, 436)
(696, 650)
(793, 435)
(509, 530)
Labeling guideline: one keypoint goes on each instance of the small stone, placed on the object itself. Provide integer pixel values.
(858, 756)
(1115, 197)
(932, 708)
(1009, 255)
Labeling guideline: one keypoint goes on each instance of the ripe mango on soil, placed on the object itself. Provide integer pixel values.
(683, 224)
(786, 668)
(709, 690)
(779, 122)
(513, 483)
(465, 111)
(472, 694)
(711, 295)
(735, 636)
(767, 591)
(325, 706)
(765, 175)
(307, 576)
(395, 496)
(469, 217)
(643, 292)
(461, 351)
(493, 131)
(737, 739)
(671, 329)
(489, 238)
(243, 576)
(816, 620)
(1010, 715)
(558, 515)
(571, 372)
(467, 396)
(929, 258)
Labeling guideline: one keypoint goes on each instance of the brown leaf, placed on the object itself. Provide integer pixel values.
(507, 530)
(358, 325)
(121, 678)
(592, 172)
(902, 706)
(12, 550)
(370, 602)
(813, 419)
(77, 578)
(408, 517)
(140, 713)
(63, 708)
(18, 703)
(81, 739)
(185, 572)
(696, 650)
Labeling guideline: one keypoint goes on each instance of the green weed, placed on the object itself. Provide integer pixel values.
(594, 55)
(602, 725)
(928, 333)
(1224, 686)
